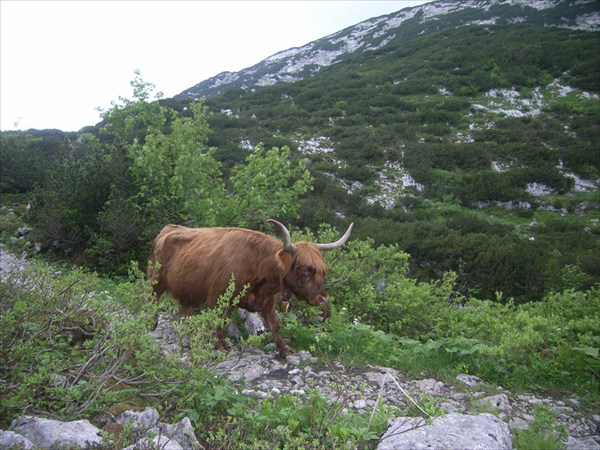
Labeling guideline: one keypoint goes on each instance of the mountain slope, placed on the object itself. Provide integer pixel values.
(299, 63)
(473, 148)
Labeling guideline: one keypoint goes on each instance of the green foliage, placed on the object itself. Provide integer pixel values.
(292, 422)
(543, 433)
(380, 316)
(509, 295)
(74, 347)
(77, 344)
(177, 176)
(103, 195)
(409, 103)
(17, 170)
(109, 194)
(268, 185)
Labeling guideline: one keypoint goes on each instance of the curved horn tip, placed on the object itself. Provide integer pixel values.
(339, 242)
(285, 235)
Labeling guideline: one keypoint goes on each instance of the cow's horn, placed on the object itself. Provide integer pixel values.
(285, 236)
(339, 243)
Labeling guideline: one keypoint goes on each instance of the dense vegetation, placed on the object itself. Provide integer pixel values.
(407, 108)
(432, 283)
(414, 105)
(104, 197)
(76, 345)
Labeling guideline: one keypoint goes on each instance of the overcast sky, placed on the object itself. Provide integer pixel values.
(60, 61)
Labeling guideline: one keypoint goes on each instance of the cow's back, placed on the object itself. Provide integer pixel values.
(196, 264)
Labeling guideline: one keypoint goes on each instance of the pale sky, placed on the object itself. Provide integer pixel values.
(61, 60)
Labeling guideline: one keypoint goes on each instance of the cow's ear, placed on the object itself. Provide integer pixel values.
(284, 261)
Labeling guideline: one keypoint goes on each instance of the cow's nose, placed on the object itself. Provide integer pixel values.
(323, 298)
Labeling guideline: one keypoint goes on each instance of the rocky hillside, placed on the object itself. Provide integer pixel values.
(490, 129)
(467, 413)
(88, 349)
(466, 133)
(299, 63)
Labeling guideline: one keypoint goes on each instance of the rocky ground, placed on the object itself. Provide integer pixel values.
(467, 413)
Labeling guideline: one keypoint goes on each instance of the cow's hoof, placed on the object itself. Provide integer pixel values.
(286, 351)
(220, 347)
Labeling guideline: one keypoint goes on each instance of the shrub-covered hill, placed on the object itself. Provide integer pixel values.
(475, 149)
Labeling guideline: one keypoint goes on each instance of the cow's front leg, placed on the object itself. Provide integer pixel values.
(221, 344)
(272, 324)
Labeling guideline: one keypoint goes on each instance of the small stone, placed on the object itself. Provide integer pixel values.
(469, 380)
(359, 404)
(253, 372)
(294, 360)
(499, 401)
(140, 420)
(162, 442)
(299, 392)
(518, 424)
(306, 356)
(449, 407)
(297, 381)
(431, 386)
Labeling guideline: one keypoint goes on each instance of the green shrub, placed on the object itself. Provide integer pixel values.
(543, 433)
(290, 421)
(72, 347)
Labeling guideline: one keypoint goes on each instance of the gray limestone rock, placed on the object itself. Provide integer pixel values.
(10, 439)
(158, 442)
(182, 432)
(469, 380)
(48, 433)
(500, 401)
(452, 431)
(141, 420)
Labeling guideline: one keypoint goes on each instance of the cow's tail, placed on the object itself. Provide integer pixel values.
(152, 273)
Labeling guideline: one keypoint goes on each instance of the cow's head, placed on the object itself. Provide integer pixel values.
(303, 267)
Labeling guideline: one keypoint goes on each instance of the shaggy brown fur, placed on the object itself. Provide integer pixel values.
(196, 264)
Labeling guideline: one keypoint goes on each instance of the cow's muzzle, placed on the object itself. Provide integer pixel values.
(319, 299)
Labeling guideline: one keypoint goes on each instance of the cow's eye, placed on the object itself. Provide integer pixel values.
(307, 271)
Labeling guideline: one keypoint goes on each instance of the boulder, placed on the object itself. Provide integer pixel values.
(140, 420)
(500, 402)
(48, 433)
(10, 439)
(182, 433)
(484, 431)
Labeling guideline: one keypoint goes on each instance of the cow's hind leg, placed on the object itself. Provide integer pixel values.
(221, 344)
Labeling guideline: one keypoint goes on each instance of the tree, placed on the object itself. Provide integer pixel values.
(148, 166)
(270, 184)
(177, 176)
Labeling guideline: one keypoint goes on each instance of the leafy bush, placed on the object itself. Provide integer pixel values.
(109, 194)
(73, 348)
(380, 316)
(291, 422)
(543, 433)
